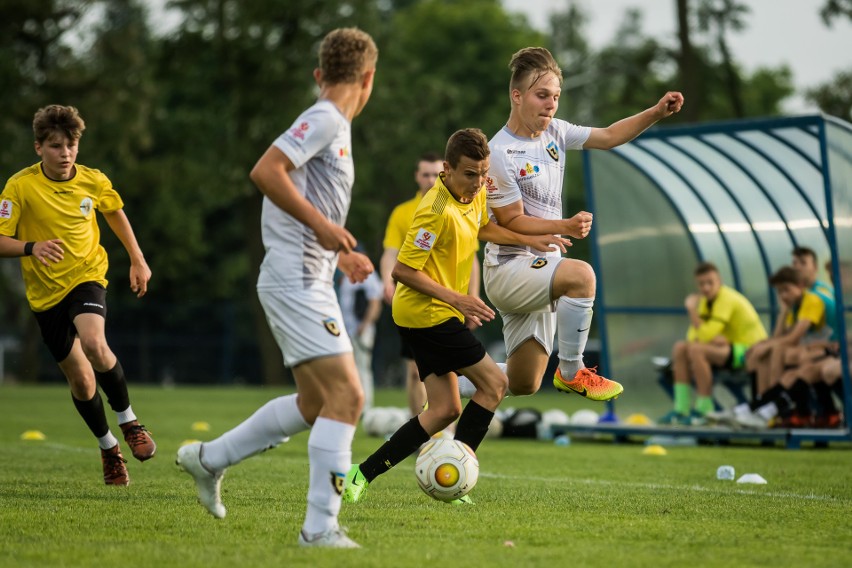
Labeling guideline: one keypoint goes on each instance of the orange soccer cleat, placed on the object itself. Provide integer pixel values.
(588, 383)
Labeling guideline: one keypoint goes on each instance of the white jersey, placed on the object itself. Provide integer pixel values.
(532, 170)
(319, 145)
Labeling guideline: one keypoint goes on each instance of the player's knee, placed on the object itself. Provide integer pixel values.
(523, 389)
(447, 413)
(694, 350)
(679, 350)
(96, 350)
(577, 280)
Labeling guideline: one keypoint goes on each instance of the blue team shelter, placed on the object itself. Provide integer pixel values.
(739, 194)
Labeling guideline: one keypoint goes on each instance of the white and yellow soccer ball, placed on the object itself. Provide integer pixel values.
(446, 469)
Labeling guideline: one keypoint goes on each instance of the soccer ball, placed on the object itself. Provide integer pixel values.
(446, 469)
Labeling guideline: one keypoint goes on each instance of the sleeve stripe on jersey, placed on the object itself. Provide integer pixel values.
(440, 203)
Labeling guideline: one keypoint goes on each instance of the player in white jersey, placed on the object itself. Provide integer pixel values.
(538, 294)
(306, 177)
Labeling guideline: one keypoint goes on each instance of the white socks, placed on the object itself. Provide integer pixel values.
(467, 389)
(107, 441)
(573, 319)
(269, 426)
(330, 454)
(126, 416)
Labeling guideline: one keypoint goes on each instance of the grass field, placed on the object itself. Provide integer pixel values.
(537, 504)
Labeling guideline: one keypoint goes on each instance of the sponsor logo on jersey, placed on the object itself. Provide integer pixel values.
(553, 150)
(86, 206)
(539, 262)
(510, 151)
(344, 152)
(529, 169)
(299, 132)
(331, 326)
(5, 209)
(424, 240)
(490, 186)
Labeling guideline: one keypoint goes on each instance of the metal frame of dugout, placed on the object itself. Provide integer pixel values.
(740, 194)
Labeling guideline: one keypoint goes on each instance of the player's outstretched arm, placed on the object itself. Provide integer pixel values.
(140, 274)
(494, 233)
(473, 309)
(271, 175)
(629, 128)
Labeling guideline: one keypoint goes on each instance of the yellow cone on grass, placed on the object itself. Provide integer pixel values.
(654, 450)
(200, 426)
(33, 435)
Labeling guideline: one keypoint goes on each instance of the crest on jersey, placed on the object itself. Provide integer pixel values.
(299, 133)
(86, 206)
(337, 480)
(553, 150)
(539, 262)
(5, 209)
(331, 326)
(424, 240)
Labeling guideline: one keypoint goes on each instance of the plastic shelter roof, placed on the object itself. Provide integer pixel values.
(740, 194)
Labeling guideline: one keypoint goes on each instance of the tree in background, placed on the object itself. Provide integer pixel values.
(177, 120)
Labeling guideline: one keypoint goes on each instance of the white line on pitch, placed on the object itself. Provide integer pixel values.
(698, 488)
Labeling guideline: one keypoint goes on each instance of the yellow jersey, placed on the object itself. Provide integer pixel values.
(442, 242)
(730, 315)
(812, 308)
(399, 222)
(36, 208)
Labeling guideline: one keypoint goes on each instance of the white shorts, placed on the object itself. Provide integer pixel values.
(307, 324)
(521, 290)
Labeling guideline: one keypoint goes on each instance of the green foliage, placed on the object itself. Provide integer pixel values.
(834, 97)
(537, 504)
(442, 66)
(178, 119)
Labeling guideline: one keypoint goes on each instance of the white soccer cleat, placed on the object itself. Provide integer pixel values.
(752, 420)
(333, 538)
(208, 483)
(726, 417)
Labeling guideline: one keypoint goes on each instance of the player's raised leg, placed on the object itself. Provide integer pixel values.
(574, 283)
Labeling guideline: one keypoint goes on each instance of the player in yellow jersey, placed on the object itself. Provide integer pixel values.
(723, 325)
(428, 167)
(430, 308)
(47, 218)
(801, 321)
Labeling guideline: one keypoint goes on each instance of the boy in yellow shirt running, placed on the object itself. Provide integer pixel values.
(430, 308)
(47, 218)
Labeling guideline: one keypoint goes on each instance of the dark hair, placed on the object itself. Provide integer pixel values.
(535, 62)
(57, 119)
(469, 142)
(801, 252)
(428, 157)
(704, 268)
(786, 275)
(344, 55)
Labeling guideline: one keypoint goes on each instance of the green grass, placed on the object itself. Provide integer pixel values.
(587, 504)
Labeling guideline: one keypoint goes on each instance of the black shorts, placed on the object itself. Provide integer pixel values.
(57, 323)
(446, 347)
(404, 349)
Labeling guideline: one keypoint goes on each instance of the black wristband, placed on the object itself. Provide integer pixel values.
(28, 248)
